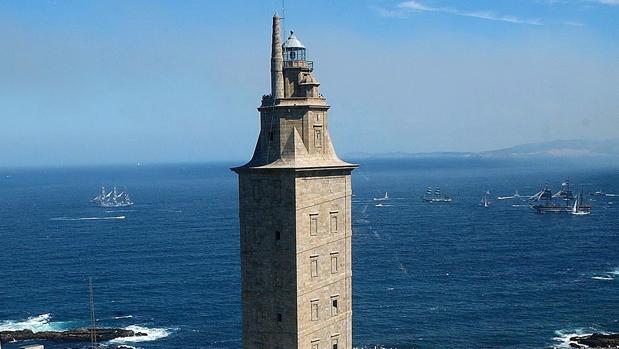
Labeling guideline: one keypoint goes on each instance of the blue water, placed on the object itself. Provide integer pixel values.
(425, 276)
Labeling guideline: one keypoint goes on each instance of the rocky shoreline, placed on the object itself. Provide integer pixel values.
(77, 335)
(596, 340)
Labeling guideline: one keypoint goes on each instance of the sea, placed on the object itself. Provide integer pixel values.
(455, 275)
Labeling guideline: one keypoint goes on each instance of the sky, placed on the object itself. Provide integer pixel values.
(125, 81)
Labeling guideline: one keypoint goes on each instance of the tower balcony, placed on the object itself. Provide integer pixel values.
(299, 64)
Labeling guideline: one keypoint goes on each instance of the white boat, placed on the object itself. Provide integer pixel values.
(485, 202)
(579, 209)
(386, 197)
(515, 196)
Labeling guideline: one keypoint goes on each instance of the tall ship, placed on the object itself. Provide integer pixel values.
(435, 195)
(113, 198)
(562, 201)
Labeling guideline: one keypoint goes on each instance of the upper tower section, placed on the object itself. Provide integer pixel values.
(294, 53)
(293, 118)
(299, 80)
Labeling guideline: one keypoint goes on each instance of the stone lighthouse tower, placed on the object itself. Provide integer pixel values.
(295, 216)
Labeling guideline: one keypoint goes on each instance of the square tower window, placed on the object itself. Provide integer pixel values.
(316, 344)
(314, 266)
(334, 343)
(314, 305)
(334, 262)
(335, 305)
(314, 224)
(333, 221)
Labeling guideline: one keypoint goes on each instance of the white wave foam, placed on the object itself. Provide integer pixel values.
(152, 334)
(123, 317)
(38, 323)
(563, 337)
(615, 272)
(86, 218)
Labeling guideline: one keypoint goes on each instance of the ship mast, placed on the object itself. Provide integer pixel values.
(93, 329)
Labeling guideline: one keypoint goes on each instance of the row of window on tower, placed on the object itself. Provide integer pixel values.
(333, 220)
(315, 264)
(315, 307)
(335, 339)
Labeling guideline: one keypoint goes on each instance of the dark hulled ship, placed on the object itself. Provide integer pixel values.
(563, 201)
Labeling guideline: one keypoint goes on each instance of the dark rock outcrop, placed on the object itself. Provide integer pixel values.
(78, 335)
(598, 340)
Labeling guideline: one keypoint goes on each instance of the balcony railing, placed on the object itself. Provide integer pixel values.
(299, 64)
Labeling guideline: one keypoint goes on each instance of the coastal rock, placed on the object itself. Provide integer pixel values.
(598, 340)
(78, 335)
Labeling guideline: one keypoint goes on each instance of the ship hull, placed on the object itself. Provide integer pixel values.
(558, 209)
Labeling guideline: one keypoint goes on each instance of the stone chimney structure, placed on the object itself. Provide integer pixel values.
(295, 216)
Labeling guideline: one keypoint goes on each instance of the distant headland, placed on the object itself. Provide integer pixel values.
(557, 149)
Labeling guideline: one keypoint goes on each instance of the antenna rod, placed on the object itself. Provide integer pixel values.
(93, 319)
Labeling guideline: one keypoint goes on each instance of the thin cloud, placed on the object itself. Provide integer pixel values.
(417, 6)
(608, 2)
(574, 24)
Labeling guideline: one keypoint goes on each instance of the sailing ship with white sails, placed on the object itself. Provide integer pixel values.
(113, 198)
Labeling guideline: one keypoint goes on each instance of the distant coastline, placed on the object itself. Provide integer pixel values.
(557, 149)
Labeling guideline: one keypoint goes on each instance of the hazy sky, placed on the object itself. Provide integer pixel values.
(90, 82)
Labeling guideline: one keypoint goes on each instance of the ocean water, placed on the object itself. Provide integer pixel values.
(425, 275)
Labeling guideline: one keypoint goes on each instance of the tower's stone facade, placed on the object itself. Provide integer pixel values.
(295, 217)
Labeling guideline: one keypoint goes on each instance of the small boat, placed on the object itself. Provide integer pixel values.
(580, 208)
(386, 197)
(598, 193)
(435, 196)
(603, 278)
(485, 201)
(515, 196)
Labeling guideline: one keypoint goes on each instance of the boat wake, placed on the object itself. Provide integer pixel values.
(38, 323)
(87, 218)
(603, 278)
(123, 317)
(152, 334)
(607, 276)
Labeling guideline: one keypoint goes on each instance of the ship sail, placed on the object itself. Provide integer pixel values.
(113, 198)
